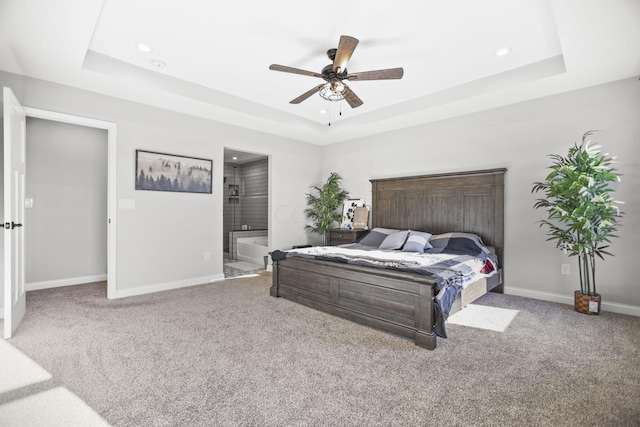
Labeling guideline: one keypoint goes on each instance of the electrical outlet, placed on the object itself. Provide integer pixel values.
(207, 256)
(565, 269)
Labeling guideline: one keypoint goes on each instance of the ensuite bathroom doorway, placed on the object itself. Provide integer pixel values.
(245, 213)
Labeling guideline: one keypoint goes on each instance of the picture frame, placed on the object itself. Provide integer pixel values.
(348, 211)
(172, 172)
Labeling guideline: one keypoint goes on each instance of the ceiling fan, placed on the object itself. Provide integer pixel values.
(334, 88)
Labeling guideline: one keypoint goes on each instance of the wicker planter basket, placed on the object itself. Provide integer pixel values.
(587, 304)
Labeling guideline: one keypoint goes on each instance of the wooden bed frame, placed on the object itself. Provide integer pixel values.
(395, 301)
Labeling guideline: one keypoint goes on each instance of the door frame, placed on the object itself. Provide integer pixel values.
(111, 129)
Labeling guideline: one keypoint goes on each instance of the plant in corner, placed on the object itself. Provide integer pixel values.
(323, 206)
(581, 212)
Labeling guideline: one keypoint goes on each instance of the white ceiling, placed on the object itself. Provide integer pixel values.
(217, 55)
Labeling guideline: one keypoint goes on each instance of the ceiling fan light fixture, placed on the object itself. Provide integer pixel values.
(337, 86)
(327, 92)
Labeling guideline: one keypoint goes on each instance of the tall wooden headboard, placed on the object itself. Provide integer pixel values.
(471, 202)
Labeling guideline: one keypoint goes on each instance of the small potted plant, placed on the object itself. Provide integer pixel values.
(323, 206)
(581, 212)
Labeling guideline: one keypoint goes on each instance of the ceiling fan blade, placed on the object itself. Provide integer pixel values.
(285, 69)
(390, 73)
(306, 95)
(346, 46)
(351, 97)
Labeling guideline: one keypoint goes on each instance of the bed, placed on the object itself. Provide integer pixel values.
(394, 300)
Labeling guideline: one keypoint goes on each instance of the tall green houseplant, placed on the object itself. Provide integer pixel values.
(323, 206)
(581, 212)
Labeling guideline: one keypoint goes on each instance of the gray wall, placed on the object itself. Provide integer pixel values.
(66, 230)
(519, 137)
(161, 243)
(153, 255)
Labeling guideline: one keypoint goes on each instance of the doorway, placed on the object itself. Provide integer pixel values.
(111, 129)
(245, 213)
(65, 204)
(14, 203)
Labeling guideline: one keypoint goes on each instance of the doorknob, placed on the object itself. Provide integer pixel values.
(10, 226)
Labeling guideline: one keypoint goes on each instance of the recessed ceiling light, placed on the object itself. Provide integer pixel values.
(143, 47)
(504, 51)
(234, 158)
(323, 111)
(158, 64)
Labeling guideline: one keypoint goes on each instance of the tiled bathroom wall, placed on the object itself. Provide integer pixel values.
(249, 204)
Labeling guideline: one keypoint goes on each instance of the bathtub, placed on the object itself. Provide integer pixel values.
(253, 249)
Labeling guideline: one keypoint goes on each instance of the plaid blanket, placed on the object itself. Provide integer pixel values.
(452, 272)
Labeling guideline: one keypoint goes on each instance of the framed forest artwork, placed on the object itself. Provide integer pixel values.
(171, 172)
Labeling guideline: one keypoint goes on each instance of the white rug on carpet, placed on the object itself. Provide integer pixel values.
(17, 370)
(483, 317)
(245, 266)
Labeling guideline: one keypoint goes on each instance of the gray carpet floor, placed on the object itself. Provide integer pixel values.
(227, 353)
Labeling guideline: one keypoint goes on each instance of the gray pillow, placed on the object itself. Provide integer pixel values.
(417, 242)
(457, 243)
(394, 240)
(376, 236)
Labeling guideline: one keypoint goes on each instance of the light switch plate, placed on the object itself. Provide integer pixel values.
(28, 203)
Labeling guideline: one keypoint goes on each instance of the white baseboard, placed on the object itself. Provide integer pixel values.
(48, 284)
(123, 293)
(613, 307)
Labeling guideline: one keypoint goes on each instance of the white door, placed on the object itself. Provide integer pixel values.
(14, 182)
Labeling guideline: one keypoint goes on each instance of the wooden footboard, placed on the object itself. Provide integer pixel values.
(397, 302)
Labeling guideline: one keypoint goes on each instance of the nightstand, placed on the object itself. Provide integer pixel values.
(341, 236)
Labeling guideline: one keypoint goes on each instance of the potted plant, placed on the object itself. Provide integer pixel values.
(323, 206)
(581, 212)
